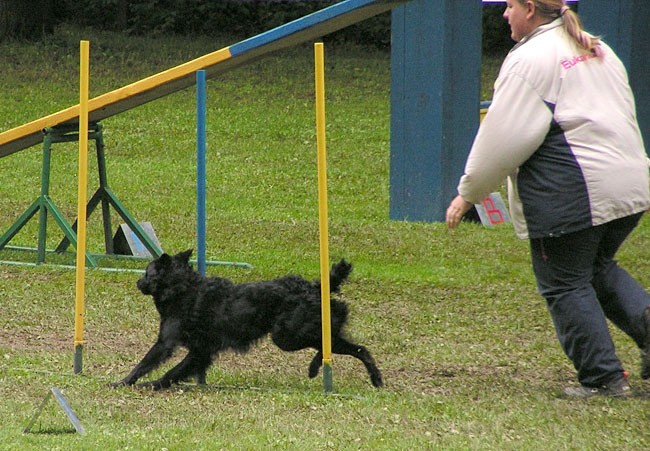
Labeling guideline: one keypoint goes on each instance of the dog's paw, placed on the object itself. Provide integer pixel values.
(154, 385)
(377, 381)
(146, 386)
(118, 384)
(314, 368)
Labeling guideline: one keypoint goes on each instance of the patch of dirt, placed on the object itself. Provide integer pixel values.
(32, 340)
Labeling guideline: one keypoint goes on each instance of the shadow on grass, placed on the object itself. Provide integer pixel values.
(51, 431)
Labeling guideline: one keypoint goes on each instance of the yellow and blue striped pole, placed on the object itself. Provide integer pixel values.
(81, 206)
(323, 217)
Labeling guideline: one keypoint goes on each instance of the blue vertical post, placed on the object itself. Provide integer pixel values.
(435, 96)
(200, 169)
(623, 25)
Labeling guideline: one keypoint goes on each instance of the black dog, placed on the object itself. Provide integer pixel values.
(211, 315)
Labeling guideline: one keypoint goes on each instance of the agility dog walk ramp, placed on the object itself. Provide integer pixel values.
(325, 21)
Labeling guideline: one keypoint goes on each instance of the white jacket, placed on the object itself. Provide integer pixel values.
(562, 128)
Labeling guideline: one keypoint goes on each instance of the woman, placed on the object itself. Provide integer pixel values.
(562, 128)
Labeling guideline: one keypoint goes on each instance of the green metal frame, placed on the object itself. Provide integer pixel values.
(104, 196)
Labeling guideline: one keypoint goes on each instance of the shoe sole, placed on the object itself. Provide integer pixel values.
(624, 391)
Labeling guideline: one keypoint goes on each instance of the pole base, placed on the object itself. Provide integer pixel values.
(78, 359)
(328, 385)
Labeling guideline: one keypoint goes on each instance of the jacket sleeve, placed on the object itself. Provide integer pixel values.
(515, 126)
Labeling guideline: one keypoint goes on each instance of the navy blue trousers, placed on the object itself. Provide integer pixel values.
(583, 285)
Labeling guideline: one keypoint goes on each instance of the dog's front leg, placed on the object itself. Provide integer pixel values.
(194, 364)
(158, 353)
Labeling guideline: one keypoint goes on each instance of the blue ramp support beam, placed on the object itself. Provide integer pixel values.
(435, 90)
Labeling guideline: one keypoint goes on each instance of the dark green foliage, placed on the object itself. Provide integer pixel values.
(241, 19)
(234, 18)
(211, 18)
(25, 20)
(496, 31)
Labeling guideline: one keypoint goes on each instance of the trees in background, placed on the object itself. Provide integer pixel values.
(21, 19)
(236, 18)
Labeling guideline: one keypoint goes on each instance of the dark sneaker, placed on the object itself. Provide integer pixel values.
(645, 351)
(618, 389)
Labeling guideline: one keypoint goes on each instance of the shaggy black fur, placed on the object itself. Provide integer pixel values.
(211, 315)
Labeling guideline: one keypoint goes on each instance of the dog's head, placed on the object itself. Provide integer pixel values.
(164, 272)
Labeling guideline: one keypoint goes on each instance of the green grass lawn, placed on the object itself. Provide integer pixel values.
(466, 346)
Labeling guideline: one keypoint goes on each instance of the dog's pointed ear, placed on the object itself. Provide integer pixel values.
(184, 256)
(165, 259)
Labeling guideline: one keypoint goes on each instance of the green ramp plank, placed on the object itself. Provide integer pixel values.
(325, 21)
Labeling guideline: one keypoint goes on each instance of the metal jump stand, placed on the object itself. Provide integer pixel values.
(104, 196)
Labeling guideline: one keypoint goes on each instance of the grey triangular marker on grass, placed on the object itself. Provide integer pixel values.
(64, 405)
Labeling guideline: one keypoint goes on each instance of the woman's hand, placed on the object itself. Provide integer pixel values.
(457, 208)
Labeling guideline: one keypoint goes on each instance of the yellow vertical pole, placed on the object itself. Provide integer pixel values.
(323, 217)
(81, 206)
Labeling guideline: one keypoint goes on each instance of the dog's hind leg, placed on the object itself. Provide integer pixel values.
(343, 346)
(194, 364)
(287, 341)
(315, 364)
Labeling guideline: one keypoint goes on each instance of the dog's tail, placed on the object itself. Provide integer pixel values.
(339, 274)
